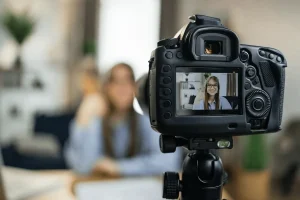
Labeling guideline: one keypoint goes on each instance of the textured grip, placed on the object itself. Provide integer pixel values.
(267, 74)
(282, 85)
(171, 185)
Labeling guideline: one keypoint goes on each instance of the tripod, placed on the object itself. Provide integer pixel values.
(203, 175)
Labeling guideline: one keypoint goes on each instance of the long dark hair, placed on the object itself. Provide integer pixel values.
(217, 95)
(107, 120)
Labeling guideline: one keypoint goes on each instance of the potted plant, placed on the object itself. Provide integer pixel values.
(253, 177)
(20, 26)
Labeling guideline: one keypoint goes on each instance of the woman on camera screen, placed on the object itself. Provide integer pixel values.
(212, 99)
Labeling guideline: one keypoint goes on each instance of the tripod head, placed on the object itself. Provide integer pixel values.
(203, 175)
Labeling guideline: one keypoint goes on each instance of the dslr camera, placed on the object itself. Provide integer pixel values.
(204, 84)
(202, 88)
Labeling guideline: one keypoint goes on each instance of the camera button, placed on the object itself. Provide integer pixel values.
(247, 86)
(167, 80)
(179, 55)
(279, 59)
(258, 104)
(167, 103)
(262, 53)
(169, 55)
(271, 56)
(255, 81)
(167, 115)
(166, 68)
(255, 123)
(251, 72)
(244, 56)
(167, 91)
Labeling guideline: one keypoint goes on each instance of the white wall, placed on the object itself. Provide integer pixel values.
(128, 32)
(39, 60)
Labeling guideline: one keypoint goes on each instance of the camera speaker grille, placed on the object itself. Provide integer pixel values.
(267, 74)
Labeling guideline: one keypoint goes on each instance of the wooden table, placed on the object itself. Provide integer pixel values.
(64, 192)
(68, 178)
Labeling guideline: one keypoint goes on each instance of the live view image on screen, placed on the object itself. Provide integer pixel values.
(200, 91)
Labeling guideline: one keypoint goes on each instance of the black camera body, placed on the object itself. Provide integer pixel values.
(203, 83)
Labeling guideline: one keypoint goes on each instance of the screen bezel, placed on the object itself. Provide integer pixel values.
(237, 70)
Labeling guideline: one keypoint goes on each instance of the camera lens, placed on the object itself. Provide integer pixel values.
(213, 47)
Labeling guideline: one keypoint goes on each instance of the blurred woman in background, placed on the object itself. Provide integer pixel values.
(111, 138)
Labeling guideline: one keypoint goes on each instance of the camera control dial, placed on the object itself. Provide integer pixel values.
(258, 103)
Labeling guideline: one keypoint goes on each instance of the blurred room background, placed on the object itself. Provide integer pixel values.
(42, 43)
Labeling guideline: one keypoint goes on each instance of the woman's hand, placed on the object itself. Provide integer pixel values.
(92, 106)
(106, 166)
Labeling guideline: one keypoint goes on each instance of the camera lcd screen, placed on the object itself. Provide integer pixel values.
(201, 91)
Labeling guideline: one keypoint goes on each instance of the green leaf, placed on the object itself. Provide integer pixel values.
(89, 47)
(20, 26)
